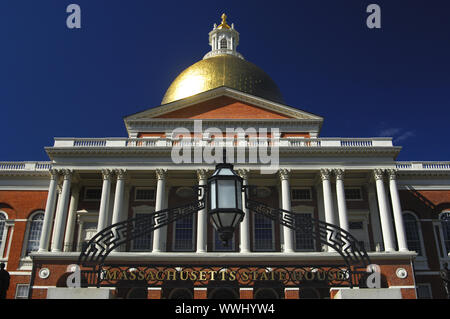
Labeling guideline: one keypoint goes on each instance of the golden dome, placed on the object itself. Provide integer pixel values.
(223, 70)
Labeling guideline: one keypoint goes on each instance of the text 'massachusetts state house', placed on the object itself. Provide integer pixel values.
(399, 212)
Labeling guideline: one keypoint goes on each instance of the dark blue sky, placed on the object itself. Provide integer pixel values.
(57, 82)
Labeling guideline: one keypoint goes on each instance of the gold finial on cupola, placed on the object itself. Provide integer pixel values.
(224, 22)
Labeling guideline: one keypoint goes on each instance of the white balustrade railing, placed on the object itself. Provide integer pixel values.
(25, 166)
(422, 165)
(290, 142)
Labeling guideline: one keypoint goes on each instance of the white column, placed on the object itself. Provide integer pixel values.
(397, 210)
(386, 221)
(202, 217)
(117, 215)
(340, 194)
(288, 233)
(119, 196)
(374, 219)
(61, 212)
(244, 236)
(158, 239)
(71, 218)
(327, 199)
(104, 201)
(49, 211)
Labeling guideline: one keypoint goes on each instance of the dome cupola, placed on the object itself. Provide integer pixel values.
(223, 66)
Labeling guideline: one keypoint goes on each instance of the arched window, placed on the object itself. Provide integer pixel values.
(34, 232)
(3, 218)
(412, 230)
(445, 221)
(223, 43)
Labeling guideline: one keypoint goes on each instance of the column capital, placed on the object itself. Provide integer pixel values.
(202, 174)
(392, 174)
(106, 174)
(340, 173)
(161, 173)
(243, 172)
(67, 173)
(54, 174)
(284, 173)
(378, 174)
(325, 174)
(121, 173)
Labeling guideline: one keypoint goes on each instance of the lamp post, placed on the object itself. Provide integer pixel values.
(225, 201)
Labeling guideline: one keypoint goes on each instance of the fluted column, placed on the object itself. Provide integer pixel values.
(202, 216)
(49, 211)
(288, 233)
(71, 218)
(397, 211)
(244, 236)
(61, 212)
(386, 221)
(340, 194)
(158, 239)
(104, 201)
(327, 199)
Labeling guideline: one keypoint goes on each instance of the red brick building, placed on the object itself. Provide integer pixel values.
(399, 212)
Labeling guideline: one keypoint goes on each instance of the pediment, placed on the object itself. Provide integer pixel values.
(223, 103)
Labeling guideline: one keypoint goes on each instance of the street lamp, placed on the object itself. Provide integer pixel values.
(225, 201)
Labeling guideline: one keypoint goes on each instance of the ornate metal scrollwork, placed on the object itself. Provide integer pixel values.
(105, 241)
(333, 236)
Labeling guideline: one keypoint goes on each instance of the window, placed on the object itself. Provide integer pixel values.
(301, 194)
(424, 291)
(143, 243)
(144, 194)
(412, 233)
(34, 232)
(22, 291)
(355, 225)
(303, 238)
(92, 193)
(263, 233)
(3, 231)
(223, 43)
(445, 221)
(184, 232)
(353, 193)
(219, 246)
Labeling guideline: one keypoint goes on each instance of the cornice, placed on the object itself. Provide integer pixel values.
(91, 151)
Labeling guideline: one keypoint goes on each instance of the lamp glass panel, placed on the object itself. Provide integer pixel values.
(226, 193)
(213, 195)
(227, 218)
